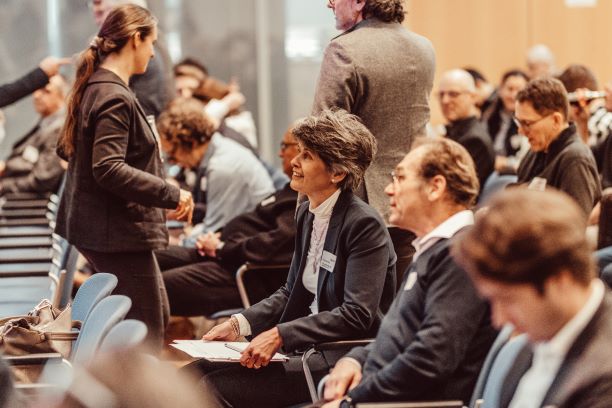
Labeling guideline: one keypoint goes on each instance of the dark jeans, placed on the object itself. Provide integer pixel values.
(277, 385)
(139, 278)
(196, 285)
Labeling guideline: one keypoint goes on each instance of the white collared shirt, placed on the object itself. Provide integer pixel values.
(445, 230)
(322, 215)
(548, 356)
(310, 277)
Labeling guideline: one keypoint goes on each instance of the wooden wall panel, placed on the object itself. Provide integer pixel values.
(494, 35)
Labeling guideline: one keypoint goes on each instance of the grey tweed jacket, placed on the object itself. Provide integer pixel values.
(384, 74)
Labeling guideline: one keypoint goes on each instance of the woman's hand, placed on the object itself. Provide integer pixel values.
(184, 210)
(261, 350)
(223, 332)
(344, 377)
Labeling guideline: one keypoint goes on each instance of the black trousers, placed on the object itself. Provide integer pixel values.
(277, 385)
(140, 279)
(196, 285)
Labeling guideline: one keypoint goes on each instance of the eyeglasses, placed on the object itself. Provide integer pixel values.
(450, 94)
(527, 124)
(284, 146)
(331, 3)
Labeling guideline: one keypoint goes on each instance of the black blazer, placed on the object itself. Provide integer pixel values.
(352, 299)
(22, 87)
(115, 187)
(584, 379)
(265, 235)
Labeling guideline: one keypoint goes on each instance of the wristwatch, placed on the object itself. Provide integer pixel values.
(347, 402)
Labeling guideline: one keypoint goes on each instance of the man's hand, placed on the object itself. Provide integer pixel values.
(51, 65)
(207, 244)
(344, 377)
(261, 350)
(222, 332)
(184, 209)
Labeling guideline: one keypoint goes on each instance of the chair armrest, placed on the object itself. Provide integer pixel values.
(33, 359)
(240, 273)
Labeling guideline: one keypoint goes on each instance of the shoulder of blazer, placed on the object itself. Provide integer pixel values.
(110, 86)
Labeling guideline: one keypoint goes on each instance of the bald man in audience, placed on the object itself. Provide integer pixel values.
(558, 157)
(457, 96)
(528, 255)
(33, 166)
(540, 62)
(436, 334)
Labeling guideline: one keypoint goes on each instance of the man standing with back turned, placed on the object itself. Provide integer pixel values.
(383, 73)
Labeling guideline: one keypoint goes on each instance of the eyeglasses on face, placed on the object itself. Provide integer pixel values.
(527, 124)
(284, 146)
(450, 94)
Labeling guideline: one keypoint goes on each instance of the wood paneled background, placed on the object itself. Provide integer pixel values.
(494, 35)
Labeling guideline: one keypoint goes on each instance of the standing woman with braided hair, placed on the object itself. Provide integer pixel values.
(113, 205)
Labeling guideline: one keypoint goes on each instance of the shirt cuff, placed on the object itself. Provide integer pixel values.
(351, 360)
(217, 109)
(245, 326)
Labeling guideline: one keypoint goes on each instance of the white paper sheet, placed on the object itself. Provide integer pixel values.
(217, 350)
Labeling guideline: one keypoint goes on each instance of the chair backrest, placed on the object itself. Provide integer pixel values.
(94, 289)
(499, 370)
(104, 316)
(500, 341)
(494, 183)
(125, 335)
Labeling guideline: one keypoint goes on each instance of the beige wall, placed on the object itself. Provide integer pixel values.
(493, 35)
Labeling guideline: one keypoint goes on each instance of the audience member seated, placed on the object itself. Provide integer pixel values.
(342, 276)
(200, 281)
(434, 339)
(486, 93)
(603, 149)
(557, 158)
(33, 166)
(230, 179)
(528, 255)
(509, 145)
(224, 103)
(33, 80)
(457, 95)
(590, 114)
(540, 62)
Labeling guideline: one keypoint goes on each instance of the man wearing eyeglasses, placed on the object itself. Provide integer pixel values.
(383, 73)
(558, 158)
(457, 96)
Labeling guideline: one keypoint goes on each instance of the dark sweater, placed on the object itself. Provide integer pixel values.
(472, 134)
(603, 156)
(568, 165)
(434, 339)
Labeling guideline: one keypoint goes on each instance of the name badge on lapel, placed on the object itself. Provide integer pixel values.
(30, 154)
(412, 278)
(328, 261)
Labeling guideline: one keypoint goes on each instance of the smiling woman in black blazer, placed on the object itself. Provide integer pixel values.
(112, 206)
(342, 276)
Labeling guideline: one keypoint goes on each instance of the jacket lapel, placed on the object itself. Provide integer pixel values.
(519, 368)
(331, 238)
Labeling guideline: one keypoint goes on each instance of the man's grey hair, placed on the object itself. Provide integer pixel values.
(342, 142)
(141, 3)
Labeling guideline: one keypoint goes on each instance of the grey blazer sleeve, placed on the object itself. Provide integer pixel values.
(338, 84)
(111, 171)
(12, 92)
(367, 257)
